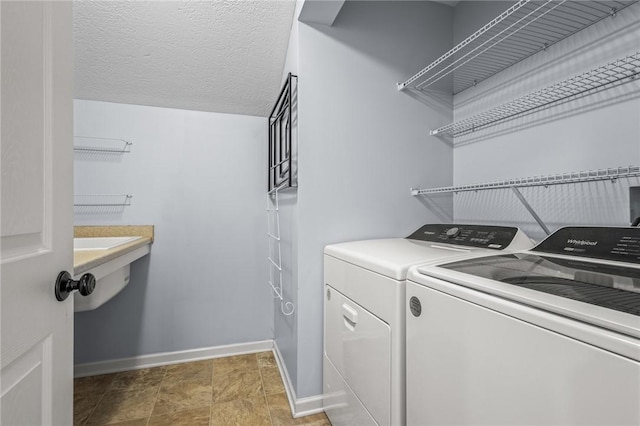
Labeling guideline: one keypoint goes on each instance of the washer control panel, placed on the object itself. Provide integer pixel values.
(621, 244)
(492, 237)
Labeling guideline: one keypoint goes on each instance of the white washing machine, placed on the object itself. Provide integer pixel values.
(545, 336)
(364, 358)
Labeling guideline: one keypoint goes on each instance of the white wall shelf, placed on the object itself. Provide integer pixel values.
(557, 179)
(104, 145)
(524, 29)
(102, 200)
(623, 70)
(548, 180)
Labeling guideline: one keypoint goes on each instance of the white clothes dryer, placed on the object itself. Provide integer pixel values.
(364, 333)
(545, 336)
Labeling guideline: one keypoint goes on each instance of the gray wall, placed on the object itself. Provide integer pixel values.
(286, 326)
(362, 145)
(601, 130)
(200, 179)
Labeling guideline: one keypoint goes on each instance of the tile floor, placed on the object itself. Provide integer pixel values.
(238, 390)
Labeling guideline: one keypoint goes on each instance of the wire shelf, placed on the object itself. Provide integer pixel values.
(617, 72)
(102, 200)
(556, 179)
(524, 29)
(118, 147)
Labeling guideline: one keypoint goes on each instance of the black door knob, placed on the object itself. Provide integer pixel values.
(65, 285)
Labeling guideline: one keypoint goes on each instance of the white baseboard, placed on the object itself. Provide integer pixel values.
(167, 358)
(299, 407)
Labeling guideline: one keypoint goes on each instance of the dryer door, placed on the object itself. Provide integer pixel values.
(359, 346)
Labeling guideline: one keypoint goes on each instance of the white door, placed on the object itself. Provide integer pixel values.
(36, 217)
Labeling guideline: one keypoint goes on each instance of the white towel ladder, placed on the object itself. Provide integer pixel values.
(275, 264)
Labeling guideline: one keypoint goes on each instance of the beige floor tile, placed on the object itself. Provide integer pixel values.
(182, 396)
(123, 406)
(87, 392)
(189, 371)
(241, 412)
(281, 413)
(266, 359)
(279, 419)
(83, 406)
(93, 384)
(234, 363)
(137, 422)
(279, 409)
(137, 379)
(223, 391)
(197, 417)
(271, 380)
(239, 384)
(278, 400)
(319, 419)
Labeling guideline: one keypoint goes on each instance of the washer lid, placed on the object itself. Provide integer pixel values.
(609, 286)
(540, 281)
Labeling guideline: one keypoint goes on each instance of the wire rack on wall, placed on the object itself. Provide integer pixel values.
(103, 145)
(102, 200)
(281, 176)
(547, 180)
(525, 28)
(281, 172)
(623, 70)
(612, 174)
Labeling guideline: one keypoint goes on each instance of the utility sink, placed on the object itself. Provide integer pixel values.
(112, 271)
(101, 243)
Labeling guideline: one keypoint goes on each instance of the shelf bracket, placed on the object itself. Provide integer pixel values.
(530, 209)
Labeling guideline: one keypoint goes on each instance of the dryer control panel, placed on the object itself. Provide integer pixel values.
(491, 237)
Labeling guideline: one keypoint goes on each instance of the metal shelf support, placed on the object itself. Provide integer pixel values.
(530, 209)
(612, 174)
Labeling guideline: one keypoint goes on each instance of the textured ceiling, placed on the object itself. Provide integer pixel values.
(219, 56)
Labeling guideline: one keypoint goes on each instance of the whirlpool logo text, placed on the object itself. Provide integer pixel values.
(582, 242)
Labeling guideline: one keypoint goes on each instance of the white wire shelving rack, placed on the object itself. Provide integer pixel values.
(274, 240)
(612, 174)
(102, 200)
(524, 29)
(620, 71)
(104, 145)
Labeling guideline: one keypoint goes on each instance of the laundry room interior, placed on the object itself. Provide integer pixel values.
(176, 107)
